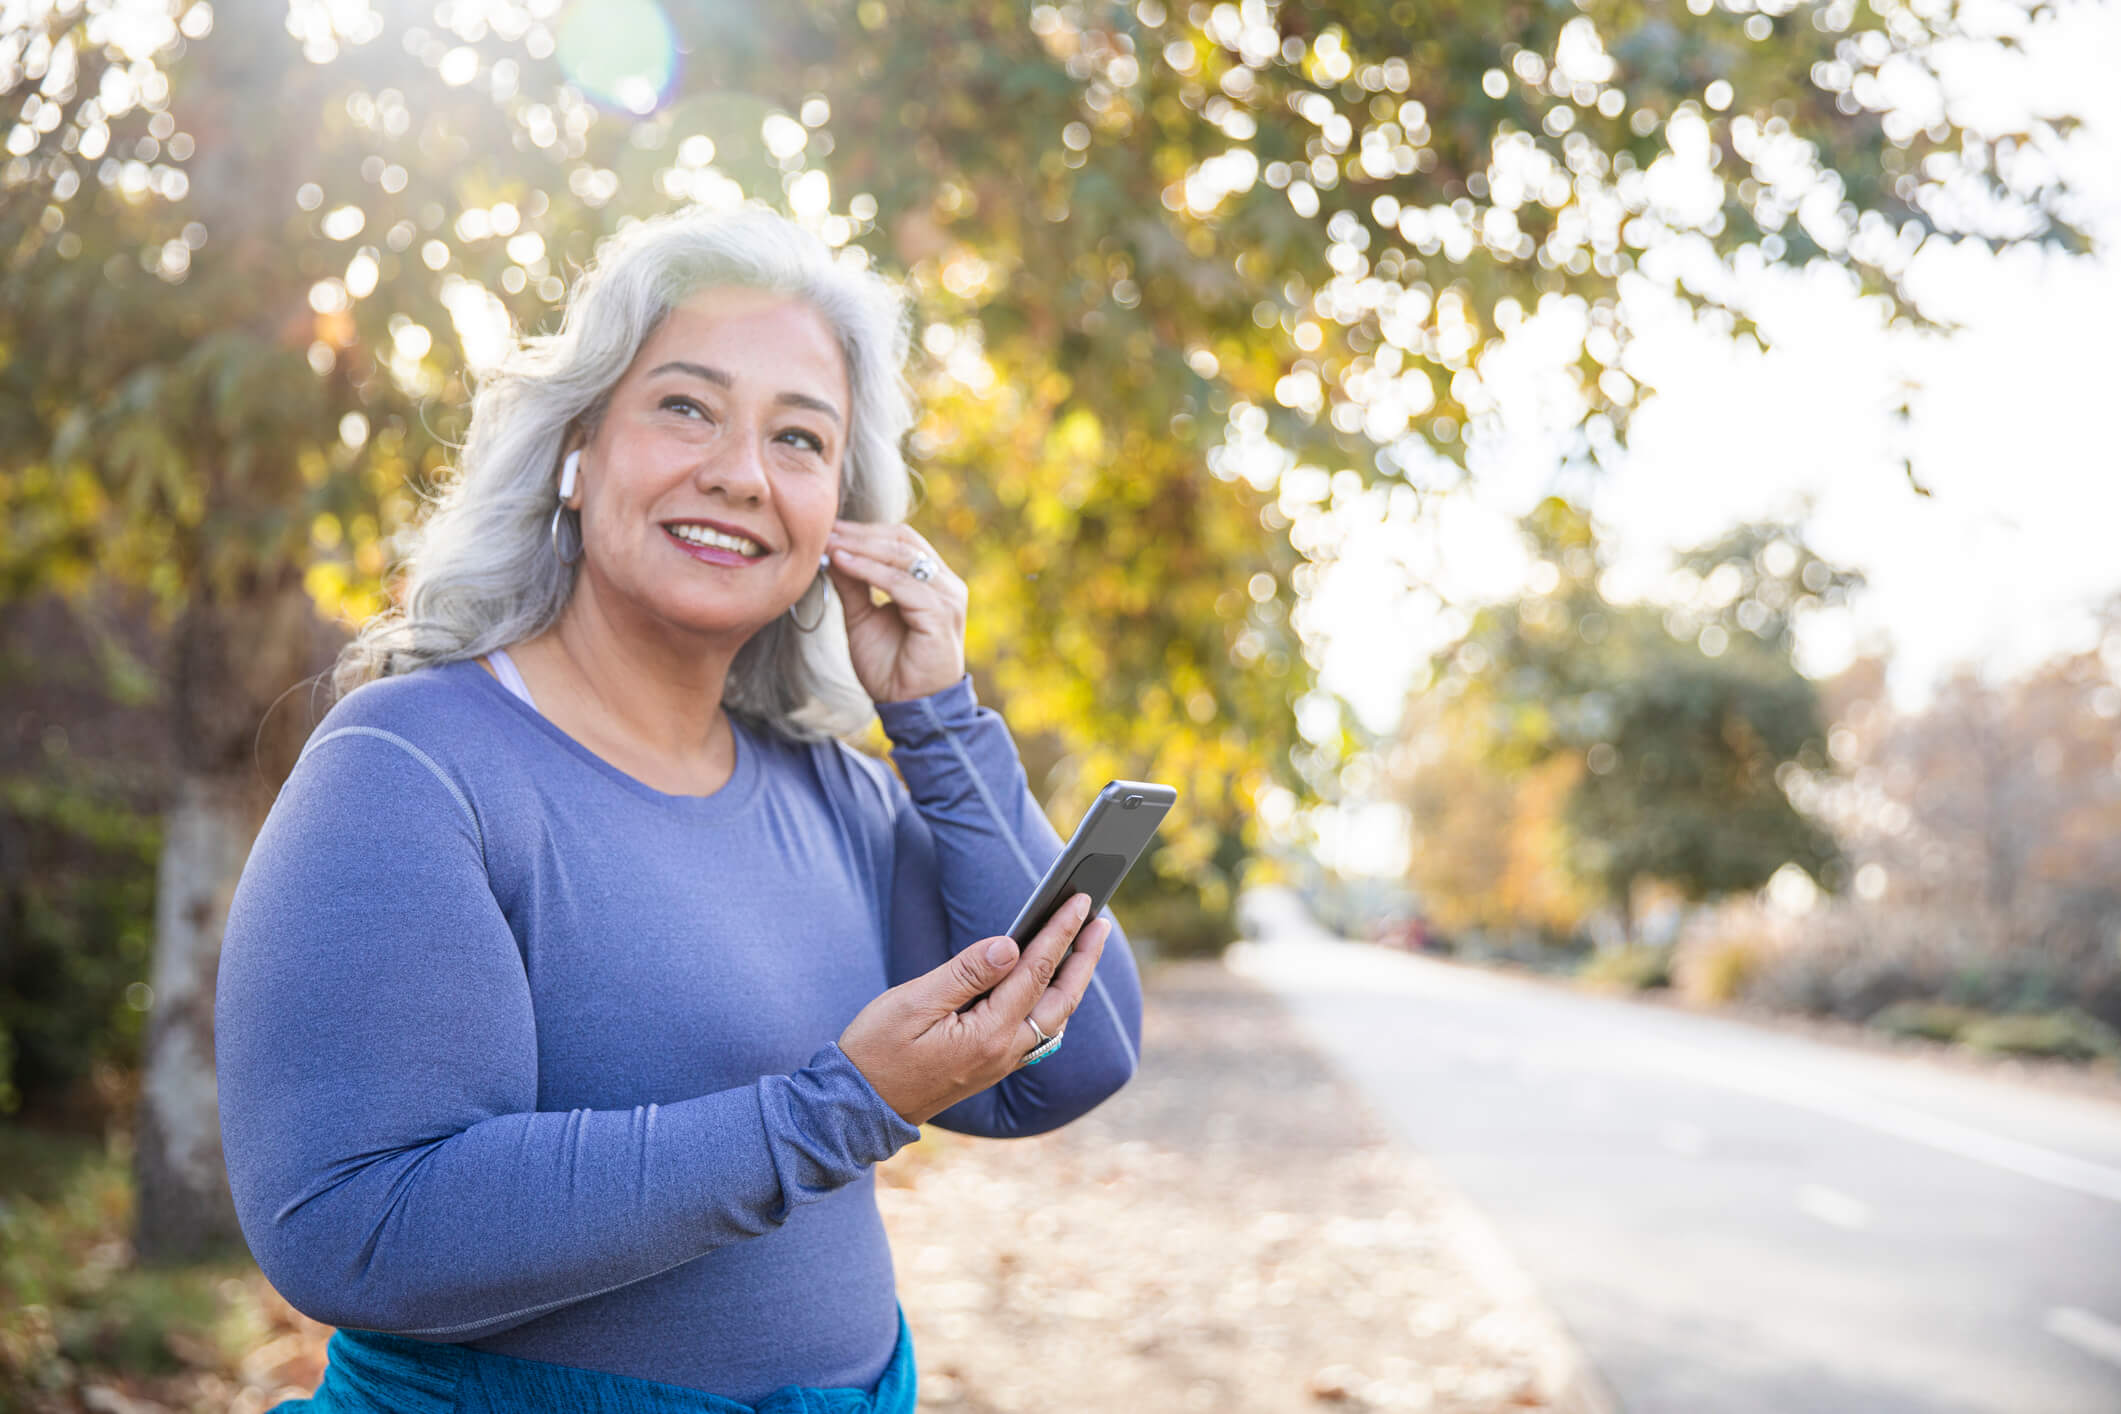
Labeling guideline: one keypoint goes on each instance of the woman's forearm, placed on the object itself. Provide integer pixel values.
(518, 1214)
(967, 855)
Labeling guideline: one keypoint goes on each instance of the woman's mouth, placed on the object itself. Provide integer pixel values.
(714, 546)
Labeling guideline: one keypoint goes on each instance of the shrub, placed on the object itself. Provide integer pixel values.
(77, 1309)
(1636, 967)
(76, 929)
(1933, 1021)
(1855, 962)
(2067, 1034)
(1718, 971)
(1169, 923)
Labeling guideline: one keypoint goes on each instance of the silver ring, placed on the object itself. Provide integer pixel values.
(923, 567)
(1037, 1031)
(1042, 1052)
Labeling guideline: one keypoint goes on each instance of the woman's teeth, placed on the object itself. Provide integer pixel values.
(701, 535)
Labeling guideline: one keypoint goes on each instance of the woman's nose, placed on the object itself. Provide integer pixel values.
(734, 467)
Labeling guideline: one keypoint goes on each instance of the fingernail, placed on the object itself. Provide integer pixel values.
(1001, 952)
(1081, 904)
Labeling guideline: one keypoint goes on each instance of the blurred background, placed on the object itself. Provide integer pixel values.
(1593, 498)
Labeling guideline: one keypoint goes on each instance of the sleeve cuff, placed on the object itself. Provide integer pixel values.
(920, 719)
(890, 1132)
(825, 1126)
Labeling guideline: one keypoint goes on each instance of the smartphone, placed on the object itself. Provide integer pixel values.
(1112, 835)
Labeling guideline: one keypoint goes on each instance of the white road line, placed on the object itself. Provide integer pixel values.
(1313, 966)
(1900, 1121)
(1830, 1206)
(2090, 1334)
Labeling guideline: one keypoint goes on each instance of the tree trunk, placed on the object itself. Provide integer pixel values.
(233, 659)
(184, 1209)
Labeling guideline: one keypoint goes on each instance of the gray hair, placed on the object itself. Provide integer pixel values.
(480, 572)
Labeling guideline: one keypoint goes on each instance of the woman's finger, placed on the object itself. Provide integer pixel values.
(897, 545)
(1059, 1001)
(1011, 1001)
(936, 593)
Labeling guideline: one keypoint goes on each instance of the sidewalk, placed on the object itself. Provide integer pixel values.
(1234, 1232)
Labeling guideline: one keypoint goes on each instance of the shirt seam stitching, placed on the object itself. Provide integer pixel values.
(418, 755)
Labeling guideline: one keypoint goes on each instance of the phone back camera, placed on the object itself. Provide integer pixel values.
(1129, 802)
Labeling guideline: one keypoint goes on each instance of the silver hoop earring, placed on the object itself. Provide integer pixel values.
(811, 627)
(554, 535)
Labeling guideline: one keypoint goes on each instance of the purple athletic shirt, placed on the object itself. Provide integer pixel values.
(516, 1051)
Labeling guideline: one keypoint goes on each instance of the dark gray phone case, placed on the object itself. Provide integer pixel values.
(1114, 831)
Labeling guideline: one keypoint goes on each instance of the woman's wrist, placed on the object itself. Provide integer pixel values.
(914, 697)
(916, 718)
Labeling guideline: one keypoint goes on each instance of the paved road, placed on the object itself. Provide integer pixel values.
(1734, 1220)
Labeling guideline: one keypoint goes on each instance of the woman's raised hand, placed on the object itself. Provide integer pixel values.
(923, 1055)
(914, 645)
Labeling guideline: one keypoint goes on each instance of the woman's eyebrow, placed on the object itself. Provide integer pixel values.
(722, 380)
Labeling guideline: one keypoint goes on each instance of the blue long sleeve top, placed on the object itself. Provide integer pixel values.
(516, 1051)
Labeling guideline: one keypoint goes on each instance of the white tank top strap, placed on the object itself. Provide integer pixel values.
(504, 668)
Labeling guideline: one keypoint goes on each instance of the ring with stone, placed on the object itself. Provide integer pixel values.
(923, 567)
(1047, 1045)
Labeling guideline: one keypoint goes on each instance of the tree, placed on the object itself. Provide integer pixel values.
(1493, 850)
(1998, 803)
(1160, 258)
(1683, 720)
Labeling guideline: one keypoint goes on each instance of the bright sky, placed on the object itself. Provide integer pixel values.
(2013, 430)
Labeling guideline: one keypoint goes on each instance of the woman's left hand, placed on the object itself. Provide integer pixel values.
(914, 645)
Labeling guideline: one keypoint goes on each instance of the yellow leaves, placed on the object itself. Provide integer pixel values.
(344, 579)
(1095, 547)
(337, 595)
(82, 495)
(1078, 436)
(1049, 518)
(1490, 842)
(325, 580)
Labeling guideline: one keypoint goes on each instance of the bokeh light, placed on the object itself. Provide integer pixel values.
(622, 53)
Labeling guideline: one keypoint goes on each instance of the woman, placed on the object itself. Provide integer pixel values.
(580, 975)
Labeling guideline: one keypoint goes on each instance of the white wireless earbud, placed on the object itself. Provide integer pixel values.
(567, 471)
(824, 562)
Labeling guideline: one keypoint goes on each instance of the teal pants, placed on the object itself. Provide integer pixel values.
(373, 1373)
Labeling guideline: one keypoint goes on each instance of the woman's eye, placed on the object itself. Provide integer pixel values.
(683, 402)
(815, 442)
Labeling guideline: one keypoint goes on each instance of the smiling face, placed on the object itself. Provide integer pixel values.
(714, 476)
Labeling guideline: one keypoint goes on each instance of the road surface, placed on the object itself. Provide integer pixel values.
(1730, 1219)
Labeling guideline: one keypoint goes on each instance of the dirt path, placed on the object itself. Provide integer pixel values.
(1231, 1233)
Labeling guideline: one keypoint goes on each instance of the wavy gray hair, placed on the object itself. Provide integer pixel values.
(480, 572)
